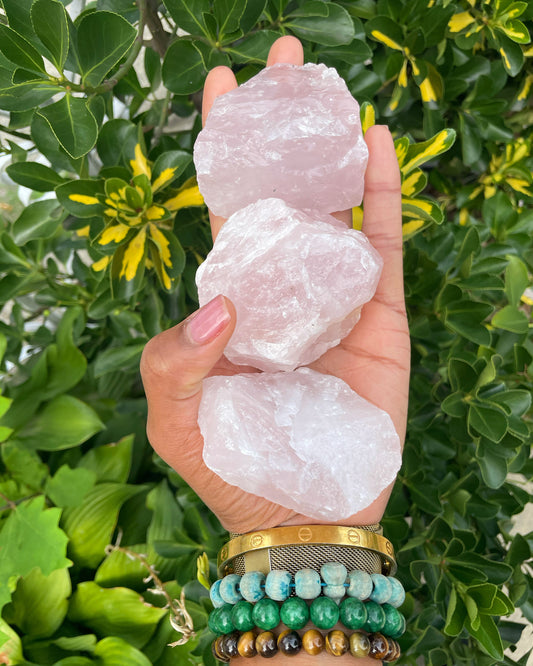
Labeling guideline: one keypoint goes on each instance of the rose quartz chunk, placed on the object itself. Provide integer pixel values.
(301, 439)
(289, 132)
(297, 281)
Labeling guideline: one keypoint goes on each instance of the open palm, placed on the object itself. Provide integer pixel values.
(373, 359)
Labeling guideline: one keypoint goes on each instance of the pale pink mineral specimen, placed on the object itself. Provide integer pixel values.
(297, 281)
(302, 439)
(289, 132)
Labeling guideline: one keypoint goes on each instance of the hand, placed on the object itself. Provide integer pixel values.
(373, 359)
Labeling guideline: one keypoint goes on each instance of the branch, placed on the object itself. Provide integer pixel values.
(19, 135)
(160, 36)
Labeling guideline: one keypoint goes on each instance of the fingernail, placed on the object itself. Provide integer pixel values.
(208, 322)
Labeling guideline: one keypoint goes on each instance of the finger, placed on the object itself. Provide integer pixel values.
(286, 49)
(220, 80)
(382, 219)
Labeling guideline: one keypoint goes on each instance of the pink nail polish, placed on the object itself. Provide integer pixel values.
(208, 322)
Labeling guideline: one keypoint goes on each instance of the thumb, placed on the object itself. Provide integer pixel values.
(175, 362)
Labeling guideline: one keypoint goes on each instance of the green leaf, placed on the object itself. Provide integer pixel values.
(64, 422)
(517, 31)
(19, 51)
(167, 517)
(39, 604)
(510, 318)
(383, 29)
(253, 48)
(188, 15)
(90, 526)
(169, 166)
(68, 486)
(49, 20)
(118, 358)
(30, 537)
(118, 612)
(24, 466)
(487, 420)
(72, 123)
(104, 38)
(111, 462)
(35, 176)
(114, 651)
(183, 68)
(10, 643)
(116, 142)
(516, 279)
(26, 96)
(228, 14)
(332, 28)
(38, 220)
(420, 153)
(80, 197)
(466, 318)
(488, 636)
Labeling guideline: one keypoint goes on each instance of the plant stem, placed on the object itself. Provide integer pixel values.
(19, 135)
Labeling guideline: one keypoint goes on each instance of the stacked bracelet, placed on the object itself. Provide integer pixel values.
(336, 642)
(294, 613)
(335, 583)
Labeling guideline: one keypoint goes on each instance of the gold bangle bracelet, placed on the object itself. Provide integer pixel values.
(307, 535)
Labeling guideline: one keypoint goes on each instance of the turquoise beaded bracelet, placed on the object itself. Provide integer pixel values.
(323, 612)
(334, 581)
(336, 642)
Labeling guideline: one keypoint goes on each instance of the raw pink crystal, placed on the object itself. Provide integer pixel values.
(289, 132)
(297, 281)
(301, 439)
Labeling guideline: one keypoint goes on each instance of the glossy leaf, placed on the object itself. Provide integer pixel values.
(104, 38)
(68, 486)
(38, 220)
(188, 14)
(34, 175)
(322, 23)
(49, 20)
(117, 611)
(19, 51)
(111, 462)
(73, 124)
(184, 68)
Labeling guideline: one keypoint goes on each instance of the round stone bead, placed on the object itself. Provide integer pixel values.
(397, 592)
(360, 585)
(337, 643)
(214, 594)
(266, 645)
(228, 644)
(379, 646)
(229, 589)
(394, 651)
(324, 613)
(381, 588)
(289, 643)
(313, 642)
(294, 613)
(246, 644)
(375, 620)
(400, 631)
(216, 648)
(265, 614)
(393, 620)
(353, 613)
(334, 575)
(359, 644)
(241, 616)
(277, 585)
(222, 620)
(252, 586)
(307, 584)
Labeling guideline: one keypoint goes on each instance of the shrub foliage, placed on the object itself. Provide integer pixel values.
(99, 540)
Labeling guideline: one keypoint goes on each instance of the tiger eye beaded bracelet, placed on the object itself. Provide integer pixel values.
(247, 644)
(334, 581)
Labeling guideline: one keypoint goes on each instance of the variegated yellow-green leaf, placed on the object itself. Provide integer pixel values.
(420, 208)
(368, 116)
(114, 233)
(396, 98)
(460, 21)
(140, 165)
(414, 183)
(418, 153)
(167, 255)
(431, 86)
(202, 570)
(412, 227)
(402, 76)
(517, 31)
(133, 255)
(187, 195)
(357, 218)
(401, 146)
(385, 39)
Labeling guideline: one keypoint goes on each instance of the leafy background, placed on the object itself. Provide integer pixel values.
(99, 116)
